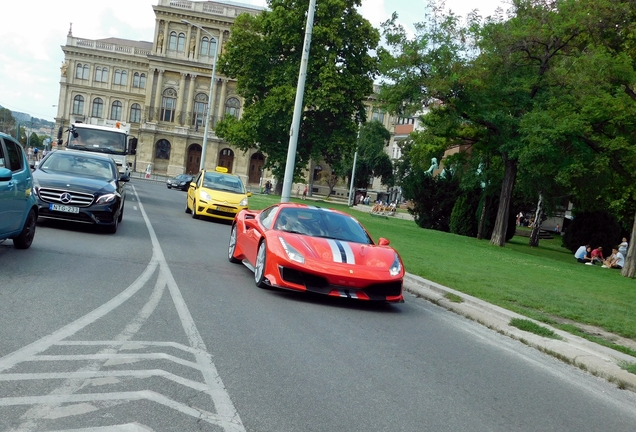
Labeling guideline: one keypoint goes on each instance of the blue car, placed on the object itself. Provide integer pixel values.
(18, 203)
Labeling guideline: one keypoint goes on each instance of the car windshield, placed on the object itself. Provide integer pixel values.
(79, 165)
(318, 222)
(223, 182)
(102, 141)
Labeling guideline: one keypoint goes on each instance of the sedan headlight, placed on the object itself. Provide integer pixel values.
(396, 267)
(292, 253)
(205, 196)
(243, 202)
(105, 199)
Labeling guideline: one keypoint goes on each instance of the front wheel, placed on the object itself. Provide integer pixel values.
(194, 209)
(259, 267)
(187, 209)
(25, 238)
(232, 246)
(121, 214)
(112, 229)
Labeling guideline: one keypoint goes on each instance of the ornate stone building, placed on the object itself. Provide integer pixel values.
(161, 88)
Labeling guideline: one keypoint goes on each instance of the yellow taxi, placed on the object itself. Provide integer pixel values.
(217, 194)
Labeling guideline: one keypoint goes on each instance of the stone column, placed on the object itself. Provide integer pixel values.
(190, 100)
(180, 119)
(198, 49)
(221, 112)
(158, 92)
(147, 114)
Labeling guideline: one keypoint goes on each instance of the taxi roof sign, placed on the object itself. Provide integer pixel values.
(220, 169)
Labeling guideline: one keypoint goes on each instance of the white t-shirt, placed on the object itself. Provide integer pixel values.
(620, 259)
(580, 252)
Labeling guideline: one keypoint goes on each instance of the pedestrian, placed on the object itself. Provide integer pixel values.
(597, 255)
(616, 260)
(35, 153)
(622, 248)
(305, 192)
(519, 218)
(557, 229)
(583, 254)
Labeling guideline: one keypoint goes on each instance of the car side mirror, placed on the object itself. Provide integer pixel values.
(249, 194)
(133, 146)
(383, 242)
(5, 174)
(251, 223)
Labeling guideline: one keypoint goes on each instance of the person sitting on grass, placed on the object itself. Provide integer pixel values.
(597, 255)
(616, 260)
(584, 254)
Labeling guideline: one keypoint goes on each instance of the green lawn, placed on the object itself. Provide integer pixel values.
(544, 283)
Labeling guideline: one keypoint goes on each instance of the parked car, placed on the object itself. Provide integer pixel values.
(80, 187)
(324, 251)
(216, 194)
(18, 205)
(181, 182)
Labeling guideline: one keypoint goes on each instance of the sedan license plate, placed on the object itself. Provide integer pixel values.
(64, 208)
(225, 209)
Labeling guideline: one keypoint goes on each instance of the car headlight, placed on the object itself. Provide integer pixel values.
(292, 253)
(205, 196)
(396, 267)
(104, 199)
(182, 183)
(243, 202)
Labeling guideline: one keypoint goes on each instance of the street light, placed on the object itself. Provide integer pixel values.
(207, 117)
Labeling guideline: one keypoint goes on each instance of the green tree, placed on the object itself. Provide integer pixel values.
(7, 122)
(372, 160)
(264, 53)
(486, 76)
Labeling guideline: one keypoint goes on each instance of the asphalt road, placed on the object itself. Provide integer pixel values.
(153, 329)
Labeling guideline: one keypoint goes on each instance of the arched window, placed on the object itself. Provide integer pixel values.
(168, 104)
(135, 113)
(81, 71)
(200, 106)
(204, 46)
(162, 151)
(120, 77)
(115, 111)
(232, 107)
(78, 105)
(98, 108)
(101, 74)
(208, 47)
(172, 42)
(181, 42)
(98, 74)
(142, 81)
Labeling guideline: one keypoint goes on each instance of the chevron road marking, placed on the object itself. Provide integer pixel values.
(43, 406)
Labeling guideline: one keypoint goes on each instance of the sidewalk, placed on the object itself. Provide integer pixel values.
(589, 356)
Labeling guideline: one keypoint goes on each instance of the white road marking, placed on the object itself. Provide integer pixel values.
(109, 356)
(130, 427)
(227, 417)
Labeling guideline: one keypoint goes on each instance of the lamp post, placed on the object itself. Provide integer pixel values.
(207, 117)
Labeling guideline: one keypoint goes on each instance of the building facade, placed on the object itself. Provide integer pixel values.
(162, 90)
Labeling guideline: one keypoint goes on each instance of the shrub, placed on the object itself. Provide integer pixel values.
(597, 228)
(463, 220)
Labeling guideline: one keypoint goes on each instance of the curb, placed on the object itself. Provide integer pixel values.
(582, 353)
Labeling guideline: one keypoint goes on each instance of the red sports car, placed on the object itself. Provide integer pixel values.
(306, 248)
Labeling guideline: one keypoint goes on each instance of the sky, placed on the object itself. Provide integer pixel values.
(33, 33)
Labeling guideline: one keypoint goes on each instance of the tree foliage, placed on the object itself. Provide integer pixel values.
(264, 53)
(7, 122)
(372, 160)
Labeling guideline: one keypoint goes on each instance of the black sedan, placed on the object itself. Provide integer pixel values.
(80, 187)
(182, 182)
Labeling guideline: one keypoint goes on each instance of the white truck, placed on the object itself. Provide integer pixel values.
(111, 138)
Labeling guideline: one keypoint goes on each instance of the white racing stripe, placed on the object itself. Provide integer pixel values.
(341, 251)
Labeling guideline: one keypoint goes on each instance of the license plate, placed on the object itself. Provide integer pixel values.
(64, 208)
(226, 209)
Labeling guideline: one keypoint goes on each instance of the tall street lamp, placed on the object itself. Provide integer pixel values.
(207, 117)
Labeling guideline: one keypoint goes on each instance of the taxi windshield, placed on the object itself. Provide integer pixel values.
(223, 182)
